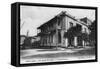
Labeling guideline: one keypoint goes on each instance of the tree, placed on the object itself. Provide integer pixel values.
(72, 32)
(92, 35)
(75, 31)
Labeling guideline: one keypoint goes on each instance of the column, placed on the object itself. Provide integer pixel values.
(66, 42)
(83, 43)
(75, 41)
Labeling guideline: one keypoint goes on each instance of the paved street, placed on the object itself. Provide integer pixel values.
(40, 55)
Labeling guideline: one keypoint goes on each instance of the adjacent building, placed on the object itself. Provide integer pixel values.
(86, 20)
(28, 41)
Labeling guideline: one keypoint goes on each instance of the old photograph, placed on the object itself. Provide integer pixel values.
(52, 34)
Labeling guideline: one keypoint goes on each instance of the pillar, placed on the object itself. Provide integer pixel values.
(83, 43)
(66, 42)
(75, 41)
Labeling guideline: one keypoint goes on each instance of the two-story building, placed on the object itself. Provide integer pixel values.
(53, 31)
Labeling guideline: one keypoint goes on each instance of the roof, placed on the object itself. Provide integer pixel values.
(48, 22)
(63, 13)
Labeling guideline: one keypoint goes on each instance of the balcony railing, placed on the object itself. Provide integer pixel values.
(47, 32)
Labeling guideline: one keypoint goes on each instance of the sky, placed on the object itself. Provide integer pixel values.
(33, 16)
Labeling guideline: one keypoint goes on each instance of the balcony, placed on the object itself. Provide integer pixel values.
(47, 33)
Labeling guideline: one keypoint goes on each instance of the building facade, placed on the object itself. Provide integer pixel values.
(53, 32)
